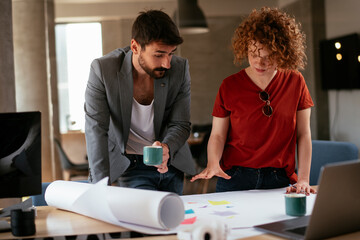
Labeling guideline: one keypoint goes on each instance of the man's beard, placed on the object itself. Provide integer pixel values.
(154, 73)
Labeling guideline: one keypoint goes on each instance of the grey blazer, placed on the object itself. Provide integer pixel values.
(108, 104)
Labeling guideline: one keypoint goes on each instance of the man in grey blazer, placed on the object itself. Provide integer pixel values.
(137, 96)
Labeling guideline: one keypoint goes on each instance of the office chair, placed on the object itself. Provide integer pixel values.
(39, 200)
(70, 169)
(324, 152)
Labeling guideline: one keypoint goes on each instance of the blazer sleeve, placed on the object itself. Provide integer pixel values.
(178, 125)
(97, 118)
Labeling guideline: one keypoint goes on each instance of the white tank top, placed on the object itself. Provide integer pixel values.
(141, 128)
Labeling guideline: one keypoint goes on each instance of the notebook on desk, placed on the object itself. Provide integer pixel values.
(336, 210)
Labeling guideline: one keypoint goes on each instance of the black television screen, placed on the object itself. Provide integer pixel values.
(340, 62)
(20, 154)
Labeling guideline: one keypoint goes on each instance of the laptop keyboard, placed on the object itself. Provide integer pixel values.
(299, 230)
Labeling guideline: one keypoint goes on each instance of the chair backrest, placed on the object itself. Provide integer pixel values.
(65, 161)
(39, 200)
(324, 152)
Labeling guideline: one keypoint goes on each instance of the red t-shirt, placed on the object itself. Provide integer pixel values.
(255, 140)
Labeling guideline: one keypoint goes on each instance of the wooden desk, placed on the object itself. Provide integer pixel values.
(52, 222)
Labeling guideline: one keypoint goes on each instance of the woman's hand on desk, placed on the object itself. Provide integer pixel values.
(300, 187)
(209, 172)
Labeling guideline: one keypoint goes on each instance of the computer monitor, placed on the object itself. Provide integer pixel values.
(20, 154)
(340, 62)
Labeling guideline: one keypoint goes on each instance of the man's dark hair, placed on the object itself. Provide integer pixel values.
(155, 25)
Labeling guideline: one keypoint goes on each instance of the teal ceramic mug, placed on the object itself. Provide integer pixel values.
(295, 204)
(153, 155)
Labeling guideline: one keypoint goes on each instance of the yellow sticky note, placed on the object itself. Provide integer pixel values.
(224, 202)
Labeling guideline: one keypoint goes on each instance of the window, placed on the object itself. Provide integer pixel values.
(76, 46)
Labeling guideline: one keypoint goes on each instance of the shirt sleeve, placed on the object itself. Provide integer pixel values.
(305, 100)
(219, 109)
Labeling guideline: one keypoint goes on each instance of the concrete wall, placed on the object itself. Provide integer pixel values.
(211, 60)
(35, 73)
(116, 34)
(342, 18)
(7, 76)
(310, 14)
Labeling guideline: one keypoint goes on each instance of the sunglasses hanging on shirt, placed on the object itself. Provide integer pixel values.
(267, 109)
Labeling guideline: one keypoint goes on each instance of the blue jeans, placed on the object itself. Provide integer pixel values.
(243, 178)
(139, 175)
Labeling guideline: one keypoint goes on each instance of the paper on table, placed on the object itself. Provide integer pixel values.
(240, 210)
(145, 211)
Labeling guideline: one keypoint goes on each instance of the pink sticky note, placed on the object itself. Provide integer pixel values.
(189, 220)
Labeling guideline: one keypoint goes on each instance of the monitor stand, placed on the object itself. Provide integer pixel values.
(5, 212)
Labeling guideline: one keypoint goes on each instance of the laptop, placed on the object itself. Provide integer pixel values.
(336, 209)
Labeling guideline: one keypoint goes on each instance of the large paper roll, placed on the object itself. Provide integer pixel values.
(140, 210)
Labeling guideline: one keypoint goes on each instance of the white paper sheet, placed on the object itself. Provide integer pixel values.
(240, 210)
(145, 211)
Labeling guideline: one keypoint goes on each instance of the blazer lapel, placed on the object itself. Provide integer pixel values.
(160, 94)
(125, 80)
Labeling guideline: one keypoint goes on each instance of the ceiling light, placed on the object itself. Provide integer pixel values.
(190, 17)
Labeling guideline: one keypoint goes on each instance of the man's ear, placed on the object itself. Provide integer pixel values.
(135, 46)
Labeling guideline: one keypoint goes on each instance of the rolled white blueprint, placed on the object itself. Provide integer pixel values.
(140, 210)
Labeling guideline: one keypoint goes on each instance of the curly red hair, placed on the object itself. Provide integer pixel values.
(277, 32)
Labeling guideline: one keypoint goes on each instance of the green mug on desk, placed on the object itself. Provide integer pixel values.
(295, 204)
(153, 155)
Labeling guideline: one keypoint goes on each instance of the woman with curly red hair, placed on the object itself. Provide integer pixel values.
(262, 113)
